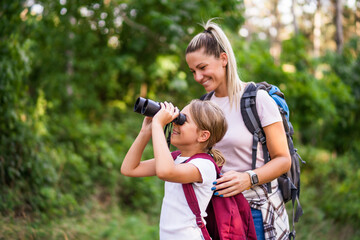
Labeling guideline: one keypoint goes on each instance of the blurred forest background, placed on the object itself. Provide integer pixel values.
(70, 72)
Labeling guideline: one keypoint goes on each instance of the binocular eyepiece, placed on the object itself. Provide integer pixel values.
(149, 108)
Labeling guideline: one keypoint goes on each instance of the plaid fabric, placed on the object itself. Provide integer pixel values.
(272, 207)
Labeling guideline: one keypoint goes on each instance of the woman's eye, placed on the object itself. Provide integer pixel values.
(203, 67)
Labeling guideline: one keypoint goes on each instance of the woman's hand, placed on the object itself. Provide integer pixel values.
(166, 114)
(231, 183)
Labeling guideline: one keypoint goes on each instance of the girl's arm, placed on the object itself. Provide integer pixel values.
(233, 182)
(166, 169)
(132, 165)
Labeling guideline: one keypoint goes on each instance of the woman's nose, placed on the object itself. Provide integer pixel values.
(197, 76)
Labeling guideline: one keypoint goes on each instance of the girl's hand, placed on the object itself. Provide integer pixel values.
(166, 114)
(146, 126)
(231, 183)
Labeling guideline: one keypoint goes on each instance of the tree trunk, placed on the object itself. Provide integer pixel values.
(339, 37)
(357, 18)
(317, 30)
(275, 49)
(296, 26)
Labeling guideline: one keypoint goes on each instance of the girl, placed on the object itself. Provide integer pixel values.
(211, 59)
(205, 125)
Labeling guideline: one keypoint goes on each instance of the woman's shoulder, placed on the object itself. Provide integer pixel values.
(267, 108)
(263, 95)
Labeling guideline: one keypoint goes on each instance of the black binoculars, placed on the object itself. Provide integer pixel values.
(149, 108)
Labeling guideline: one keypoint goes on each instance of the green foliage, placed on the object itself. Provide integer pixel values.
(346, 68)
(333, 182)
(18, 137)
(69, 78)
(294, 51)
(69, 74)
(317, 96)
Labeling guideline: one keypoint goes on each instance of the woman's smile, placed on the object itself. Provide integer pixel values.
(206, 82)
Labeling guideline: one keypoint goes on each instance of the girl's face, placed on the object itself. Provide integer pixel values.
(186, 134)
(209, 71)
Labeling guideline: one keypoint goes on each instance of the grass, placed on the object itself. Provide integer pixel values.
(109, 223)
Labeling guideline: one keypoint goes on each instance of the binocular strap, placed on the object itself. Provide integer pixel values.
(167, 132)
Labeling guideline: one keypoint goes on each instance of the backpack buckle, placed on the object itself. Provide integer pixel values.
(263, 140)
(200, 223)
(260, 136)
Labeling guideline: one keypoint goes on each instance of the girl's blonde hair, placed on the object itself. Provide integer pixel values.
(214, 42)
(208, 116)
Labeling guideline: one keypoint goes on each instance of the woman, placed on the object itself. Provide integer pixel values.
(211, 59)
(205, 125)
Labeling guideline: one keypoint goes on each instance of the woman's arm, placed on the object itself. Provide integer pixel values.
(166, 169)
(277, 146)
(233, 182)
(132, 165)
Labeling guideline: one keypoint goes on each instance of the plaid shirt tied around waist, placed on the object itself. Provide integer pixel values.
(272, 207)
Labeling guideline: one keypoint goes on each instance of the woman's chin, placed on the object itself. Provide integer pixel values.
(209, 88)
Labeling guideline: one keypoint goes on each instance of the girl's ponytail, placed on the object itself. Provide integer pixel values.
(208, 116)
(217, 156)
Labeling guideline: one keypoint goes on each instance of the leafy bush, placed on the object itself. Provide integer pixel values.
(334, 181)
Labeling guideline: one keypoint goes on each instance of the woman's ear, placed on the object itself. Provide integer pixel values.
(224, 59)
(203, 136)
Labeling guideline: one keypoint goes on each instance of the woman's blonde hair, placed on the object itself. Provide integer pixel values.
(208, 116)
(214, 41)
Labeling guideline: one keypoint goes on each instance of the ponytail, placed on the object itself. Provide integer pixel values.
(217, 156)
(208, 116)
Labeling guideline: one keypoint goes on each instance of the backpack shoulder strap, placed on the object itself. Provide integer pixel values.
(252, 120)
(190, 193)
(205, 156)
(248, 109)
(253, 123)
(207, 96)
(175, 154)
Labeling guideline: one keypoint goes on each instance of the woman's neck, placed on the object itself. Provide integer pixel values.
(221, 91)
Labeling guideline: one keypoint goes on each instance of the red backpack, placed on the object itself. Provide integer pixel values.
(228, 218)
